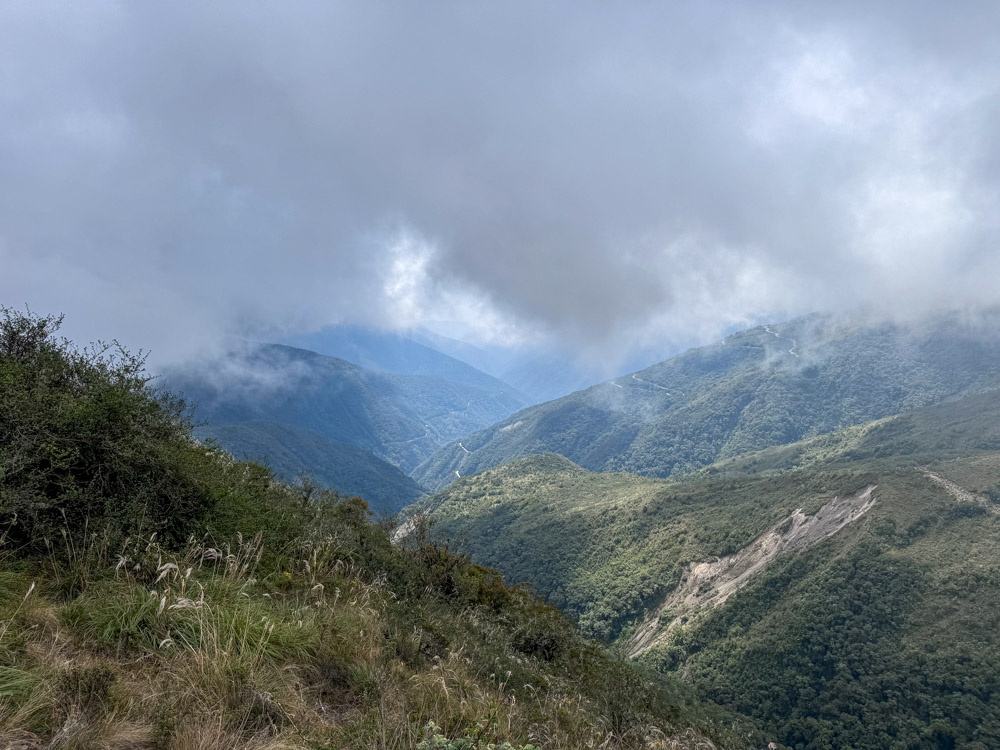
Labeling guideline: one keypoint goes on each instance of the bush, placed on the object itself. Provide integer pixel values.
(85, 438)
(438, 741)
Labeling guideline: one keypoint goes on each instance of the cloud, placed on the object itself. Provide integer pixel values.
(603, 176)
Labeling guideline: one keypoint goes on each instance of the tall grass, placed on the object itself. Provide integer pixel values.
(201, 647)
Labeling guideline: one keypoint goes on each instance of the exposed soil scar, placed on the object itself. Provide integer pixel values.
(707, 585)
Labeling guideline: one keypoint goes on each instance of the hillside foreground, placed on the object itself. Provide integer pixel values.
(157, 593)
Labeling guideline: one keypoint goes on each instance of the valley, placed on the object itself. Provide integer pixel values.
(690, 512)
(783, 581)
(357, 430)
(737, 397)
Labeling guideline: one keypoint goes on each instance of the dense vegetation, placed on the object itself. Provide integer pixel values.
(604, 547)
(157, 593)
(291, 453)
(401, 419)
(758, 388)
(956, 428)
(882, 636)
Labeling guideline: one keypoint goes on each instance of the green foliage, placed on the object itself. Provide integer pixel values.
(186, 599)
(737, 397)
(437, 741)
(831, 657)
(84, 437)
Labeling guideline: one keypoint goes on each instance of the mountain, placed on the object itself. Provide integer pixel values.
(548, 376)
(843, 590)
(399, 418)
(156, 594)
(386, 351)
(766, 386)
(291, 452)
(541, 374)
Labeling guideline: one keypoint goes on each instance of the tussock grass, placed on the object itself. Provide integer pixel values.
(199, 647)
(156, 593)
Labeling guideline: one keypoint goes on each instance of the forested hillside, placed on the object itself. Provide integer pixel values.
(158, 594)
(293, 454)
(766, 386)
(399, 418)
(844, 591)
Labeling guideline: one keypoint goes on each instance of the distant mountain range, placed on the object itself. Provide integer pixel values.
(358, 409)
(386, 351)
(541, 375)
(299, 411)
(843, 590)
(767, 386)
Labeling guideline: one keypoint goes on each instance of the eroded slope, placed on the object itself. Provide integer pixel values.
(706, 585)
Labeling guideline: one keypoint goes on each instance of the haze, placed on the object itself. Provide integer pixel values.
(601, 177)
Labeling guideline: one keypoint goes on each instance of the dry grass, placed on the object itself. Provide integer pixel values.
(189, 650)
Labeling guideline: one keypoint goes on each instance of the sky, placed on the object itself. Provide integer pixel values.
(600, 177)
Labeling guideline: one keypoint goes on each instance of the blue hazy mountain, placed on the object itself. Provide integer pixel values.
(291, 452)
(397, 353)
(400, 419)
(541, 374)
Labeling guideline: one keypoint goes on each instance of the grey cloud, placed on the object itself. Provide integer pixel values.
(606, 175)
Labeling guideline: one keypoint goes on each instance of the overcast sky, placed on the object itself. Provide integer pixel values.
(606, 174)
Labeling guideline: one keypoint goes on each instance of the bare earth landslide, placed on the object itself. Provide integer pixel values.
(707, 585)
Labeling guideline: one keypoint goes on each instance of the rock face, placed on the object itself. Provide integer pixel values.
(707, 585)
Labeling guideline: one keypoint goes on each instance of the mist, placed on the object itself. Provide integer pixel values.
(574, 176)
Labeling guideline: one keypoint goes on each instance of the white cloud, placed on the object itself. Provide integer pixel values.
(599, 176)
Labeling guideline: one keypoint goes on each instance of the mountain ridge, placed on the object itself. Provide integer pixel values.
(397, 418)
(765, 386)
(878, 634)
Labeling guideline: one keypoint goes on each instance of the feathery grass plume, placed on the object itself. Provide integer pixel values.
(157, 593)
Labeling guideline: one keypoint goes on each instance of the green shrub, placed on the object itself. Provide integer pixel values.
(85, 437)
(438, 741)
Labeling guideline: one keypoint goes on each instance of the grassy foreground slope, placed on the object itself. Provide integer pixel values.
(880, 635)
(767, 386)
(155, 593)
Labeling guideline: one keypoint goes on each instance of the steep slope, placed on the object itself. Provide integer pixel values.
(707, 585)
(767, 386)
(291, 452)
(399, 418)
(844, 591)
(155, 594)
(606, 546)
(385, 351)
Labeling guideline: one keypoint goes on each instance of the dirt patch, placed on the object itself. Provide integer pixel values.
(707, 585)
(959, 493)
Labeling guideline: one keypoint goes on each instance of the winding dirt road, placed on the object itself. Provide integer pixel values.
(786, 338)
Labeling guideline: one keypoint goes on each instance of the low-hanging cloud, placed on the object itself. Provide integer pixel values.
(607, 175)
